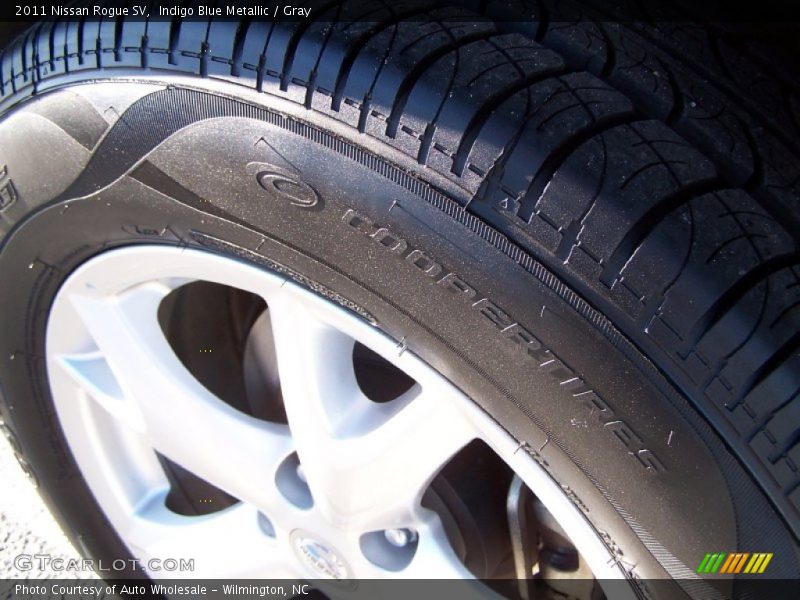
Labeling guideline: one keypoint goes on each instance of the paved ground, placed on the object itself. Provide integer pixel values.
(26, 526)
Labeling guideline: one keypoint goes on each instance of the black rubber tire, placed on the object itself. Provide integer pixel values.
(589, 228)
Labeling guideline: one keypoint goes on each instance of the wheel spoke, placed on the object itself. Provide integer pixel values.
(91, 372)
(367, 464)
(379, 478)
(228, 543)
(182, 419)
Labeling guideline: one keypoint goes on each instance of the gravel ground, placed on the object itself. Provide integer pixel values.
(26, 526)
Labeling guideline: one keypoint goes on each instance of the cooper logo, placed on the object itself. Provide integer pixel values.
(297, 193)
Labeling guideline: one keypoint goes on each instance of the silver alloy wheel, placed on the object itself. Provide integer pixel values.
(121, 394)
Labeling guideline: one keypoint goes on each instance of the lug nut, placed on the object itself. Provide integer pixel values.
(399, 537)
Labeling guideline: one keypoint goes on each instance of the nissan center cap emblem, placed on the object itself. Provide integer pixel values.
(318, 557)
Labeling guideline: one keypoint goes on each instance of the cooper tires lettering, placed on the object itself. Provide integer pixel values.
(511, 329)
(295, 192)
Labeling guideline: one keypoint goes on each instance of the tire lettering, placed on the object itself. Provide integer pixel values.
(524, 339)
(389, 241)
(424, 263)
(8, 193)
(456, 285)
(494, 313)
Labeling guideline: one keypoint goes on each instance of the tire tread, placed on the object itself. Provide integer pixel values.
(684, 144)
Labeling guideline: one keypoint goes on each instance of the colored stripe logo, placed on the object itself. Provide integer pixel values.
(736, 562)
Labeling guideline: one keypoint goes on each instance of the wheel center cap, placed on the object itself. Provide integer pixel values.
(321, 558)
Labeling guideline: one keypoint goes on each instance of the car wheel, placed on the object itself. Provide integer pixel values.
(397, 297)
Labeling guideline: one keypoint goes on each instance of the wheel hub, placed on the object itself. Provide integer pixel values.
(319, 557)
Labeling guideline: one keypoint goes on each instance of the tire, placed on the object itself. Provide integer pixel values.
(588, 229)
